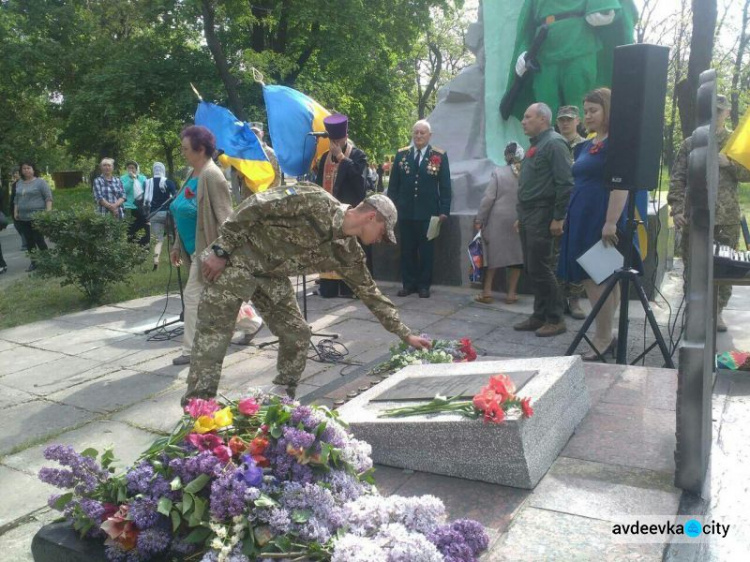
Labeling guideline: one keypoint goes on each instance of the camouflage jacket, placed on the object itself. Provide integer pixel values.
(298, 230)
(727, 202)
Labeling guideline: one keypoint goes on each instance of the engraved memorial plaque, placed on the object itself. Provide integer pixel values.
(463, 386)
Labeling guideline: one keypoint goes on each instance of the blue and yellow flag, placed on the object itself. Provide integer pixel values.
(738, 146)
(242, 149)
(641, 214)
(291, 117)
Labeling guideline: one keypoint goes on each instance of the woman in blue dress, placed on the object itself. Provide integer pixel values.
(594, 213)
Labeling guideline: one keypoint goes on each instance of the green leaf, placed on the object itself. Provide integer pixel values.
(175, 484)
(90, 452)
(200, 508)
(198, 535)
(176, 520)
(108, 457)
(122, 494)
(187, 503)
(164, 506)
(198, 484)
(62, 501)
(275, 432)
(301, 515)
(265, 501)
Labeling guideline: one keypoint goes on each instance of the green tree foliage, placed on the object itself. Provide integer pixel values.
(90, 251)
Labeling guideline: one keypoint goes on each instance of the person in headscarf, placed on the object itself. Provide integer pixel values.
(496, 218)
(157, 194)
(133, 182)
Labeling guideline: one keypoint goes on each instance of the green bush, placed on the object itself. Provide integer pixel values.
(90, 251)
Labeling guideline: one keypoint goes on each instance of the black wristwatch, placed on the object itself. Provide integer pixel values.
(220, 252)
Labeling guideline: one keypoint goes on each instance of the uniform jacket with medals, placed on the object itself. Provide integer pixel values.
(420, 193)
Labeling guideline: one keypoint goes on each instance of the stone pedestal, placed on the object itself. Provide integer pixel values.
(515, 453)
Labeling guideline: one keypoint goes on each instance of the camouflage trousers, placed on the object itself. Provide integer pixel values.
(274, 299)
(727, 234)
(569, 290)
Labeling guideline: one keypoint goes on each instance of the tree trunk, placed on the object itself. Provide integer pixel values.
(678, 62)
(701, 50)
(214, 45)
(169, 157)
(741, 47)
(424, 97)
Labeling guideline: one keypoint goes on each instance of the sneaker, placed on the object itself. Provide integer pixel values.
(720, 324)
(181, 360)
(531, 324)
(575, 311)
(549, 330)
(3, 269)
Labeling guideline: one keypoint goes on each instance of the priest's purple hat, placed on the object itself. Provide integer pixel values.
(336, 125)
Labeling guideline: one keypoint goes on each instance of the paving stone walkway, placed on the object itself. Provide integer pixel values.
(93, 379)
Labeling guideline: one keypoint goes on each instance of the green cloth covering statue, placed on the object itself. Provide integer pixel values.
(577, 55)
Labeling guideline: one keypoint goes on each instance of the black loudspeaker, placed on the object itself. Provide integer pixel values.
(636, 119)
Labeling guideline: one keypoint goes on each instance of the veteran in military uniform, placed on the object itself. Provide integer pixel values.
(728, 214)
(420, 186)
(271, 236)
(568, 120)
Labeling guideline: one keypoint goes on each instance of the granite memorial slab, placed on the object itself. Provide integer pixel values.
(517, 452)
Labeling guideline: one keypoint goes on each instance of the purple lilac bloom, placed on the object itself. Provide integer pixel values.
(59, 477)
(406, 546)
(346, 487)
(279, 520)
(182, 548)
(92, 509)
(252, 494)
(152, 541)
(422, 514)
(325, 516)
(473, 533)
(298, 438)
(190, 468)
(358, 454)
(451, 544)
(352, 548)
(139, 478)
(366, 514)
(87, 472)
(143, 512)
(227, 496)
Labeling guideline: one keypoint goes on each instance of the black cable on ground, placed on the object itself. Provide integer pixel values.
(162, 334)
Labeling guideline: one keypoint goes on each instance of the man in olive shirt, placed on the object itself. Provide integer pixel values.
(544, 186)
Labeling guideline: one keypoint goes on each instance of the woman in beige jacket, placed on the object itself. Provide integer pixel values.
(199, 209)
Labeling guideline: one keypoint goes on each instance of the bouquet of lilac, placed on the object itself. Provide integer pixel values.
(261, 478)
(441, 351)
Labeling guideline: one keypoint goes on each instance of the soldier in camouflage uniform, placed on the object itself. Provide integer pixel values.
(728, 214)
(568, 121)
(271, 236)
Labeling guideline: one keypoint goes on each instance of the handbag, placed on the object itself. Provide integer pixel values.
(3, 221)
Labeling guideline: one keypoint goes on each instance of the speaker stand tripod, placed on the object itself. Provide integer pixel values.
(321, 358)
(625, 276)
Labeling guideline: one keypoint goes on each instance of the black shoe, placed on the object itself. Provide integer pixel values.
(424, 293)
(32, 267)
(181, 360)
(156, 266)
(3, 269)
(405, 292)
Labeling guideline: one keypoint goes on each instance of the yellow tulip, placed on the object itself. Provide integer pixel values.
(223, 417)
(204, 424)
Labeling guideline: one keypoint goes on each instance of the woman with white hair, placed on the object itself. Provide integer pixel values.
(495, 218)
(157, 193)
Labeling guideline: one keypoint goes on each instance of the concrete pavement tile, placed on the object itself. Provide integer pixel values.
(492, 505)
(481, 313)
(128, 444)
(98, 316)
(454, 329)
(36, 420)
(497, 347)
(113, 391)
(389, 479)
(108, 354)
(599, 378)
(82, 340)
(148, 358)
(10, 396)
(36, 331)
(644, 440)
(419, 321)
(604, 491)
(158, 413)
(154, 303)
(254, 371)
(538, 534)
(652, 387)
(16, 543)
(22, 494)
(56, 375)
(437, 306)
(22, 357)
(6, 345)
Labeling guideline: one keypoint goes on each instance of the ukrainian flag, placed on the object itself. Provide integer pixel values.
(242, 149)
(291, 116)
(641, 214)
(738, 145)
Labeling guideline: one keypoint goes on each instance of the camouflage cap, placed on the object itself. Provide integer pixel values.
(722, 102)
(569, 111)
(387, 210)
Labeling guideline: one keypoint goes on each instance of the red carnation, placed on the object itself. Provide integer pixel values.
(530, 152)
(528, 411)
(189, 193)
(468, 350)
(435, 160)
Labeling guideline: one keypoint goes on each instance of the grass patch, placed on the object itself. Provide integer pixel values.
(33, 299)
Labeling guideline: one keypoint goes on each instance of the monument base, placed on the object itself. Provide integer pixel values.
(515, 453)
